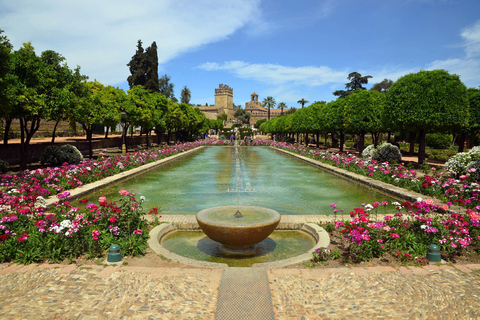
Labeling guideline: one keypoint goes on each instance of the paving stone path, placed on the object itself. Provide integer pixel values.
(96, 292)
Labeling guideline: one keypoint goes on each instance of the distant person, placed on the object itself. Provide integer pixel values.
(232, 137)
(245, 139)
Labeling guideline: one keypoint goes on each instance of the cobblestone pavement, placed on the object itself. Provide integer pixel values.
(431, 292)
(96, 292)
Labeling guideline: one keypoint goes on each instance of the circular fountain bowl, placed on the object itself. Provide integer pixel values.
(238, 235)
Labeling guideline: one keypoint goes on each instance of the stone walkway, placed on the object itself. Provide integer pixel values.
(97, 292)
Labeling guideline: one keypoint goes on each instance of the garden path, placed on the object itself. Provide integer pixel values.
(49, 291)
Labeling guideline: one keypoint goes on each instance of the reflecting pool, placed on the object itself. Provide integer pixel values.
(251, 176)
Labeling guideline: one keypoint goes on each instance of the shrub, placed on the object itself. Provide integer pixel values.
(384, 152)
(438, 140)
(388, 152)
(3, 166)
(458, 163)
(71, 154)
(369, 151)
(52, 155)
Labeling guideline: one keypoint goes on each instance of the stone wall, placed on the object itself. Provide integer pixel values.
(12, 152)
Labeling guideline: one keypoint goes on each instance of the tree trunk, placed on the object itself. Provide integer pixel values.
(412, 143)
(317, 141)
(89, 133)
(23, 148)
(8, 123)
(461, 142)
(54, 130)
(468, 140)
(421, 147)
(106, 132)
(146, 136)
(26, 137)
(342, 140)
(361, 142)
(306, 139)
(389, 135)
(297, 138)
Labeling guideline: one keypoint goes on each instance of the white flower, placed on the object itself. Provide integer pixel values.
(142, 198)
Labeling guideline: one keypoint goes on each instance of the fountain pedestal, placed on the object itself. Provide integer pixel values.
(238, 228)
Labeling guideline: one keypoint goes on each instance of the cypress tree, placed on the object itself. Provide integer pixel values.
(137, 67)
(151, 68)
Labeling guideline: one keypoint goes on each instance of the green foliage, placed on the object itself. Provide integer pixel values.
(166, 87)
(242, 115)
(53, 155)
(474, 103)
(384, 152)
(185, 95)
(3, 166)
(259, 123)
(462, 162)
(144, 68)
(438, 140)
(363, 112)
(434, 101)
(323, 255)
(71, 154)
(61, 235)
(388, 152)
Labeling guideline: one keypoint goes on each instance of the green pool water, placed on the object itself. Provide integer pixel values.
(251, 176)
(278, 246)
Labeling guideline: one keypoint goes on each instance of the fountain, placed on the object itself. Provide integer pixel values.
(239, 231)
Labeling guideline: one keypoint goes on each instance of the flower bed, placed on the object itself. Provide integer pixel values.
(404, 235)
(65, 233)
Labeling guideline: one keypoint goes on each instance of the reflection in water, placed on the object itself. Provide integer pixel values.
(280, 245)
(190, 184)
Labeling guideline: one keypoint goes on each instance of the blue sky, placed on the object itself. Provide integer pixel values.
(281, 48)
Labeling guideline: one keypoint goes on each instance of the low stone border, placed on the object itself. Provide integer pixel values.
(154, 243)
(93, 186)
(321, 237)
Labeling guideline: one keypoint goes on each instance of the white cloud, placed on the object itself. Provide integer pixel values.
(278, 74)
(468, 67)
(471, 36)
(101, 36)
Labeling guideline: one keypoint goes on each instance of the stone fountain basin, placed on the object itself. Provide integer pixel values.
(220, 224)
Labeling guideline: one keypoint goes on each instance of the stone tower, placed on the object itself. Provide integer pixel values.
(224, 98)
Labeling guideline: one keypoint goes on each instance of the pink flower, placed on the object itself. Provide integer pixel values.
(429, 201)
(102, 199)
(113, 219)
(123, 192)
(95, 234)
(395, 235)
(138, 231)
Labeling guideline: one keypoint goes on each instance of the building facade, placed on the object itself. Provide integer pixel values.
(258, 111)
(223, 104)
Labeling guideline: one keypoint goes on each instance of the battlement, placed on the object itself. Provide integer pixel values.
(223, 89)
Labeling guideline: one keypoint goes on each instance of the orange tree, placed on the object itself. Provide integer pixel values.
(427, 101)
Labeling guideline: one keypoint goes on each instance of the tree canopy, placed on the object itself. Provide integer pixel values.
(427, 101)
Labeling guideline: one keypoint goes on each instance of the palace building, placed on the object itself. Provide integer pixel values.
(224, 105)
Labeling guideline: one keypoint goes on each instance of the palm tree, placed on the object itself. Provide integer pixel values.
(303, 102)
(269, 102)
(282, 105)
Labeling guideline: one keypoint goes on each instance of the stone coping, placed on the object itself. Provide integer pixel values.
(93, 186)
(322, 240)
